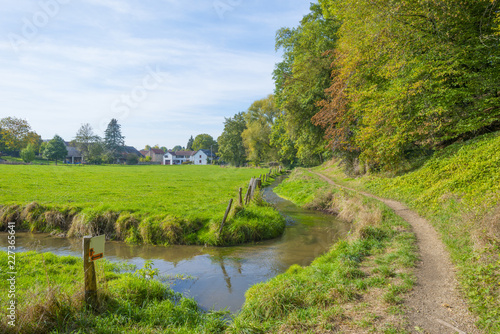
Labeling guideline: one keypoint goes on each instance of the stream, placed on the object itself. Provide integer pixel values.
(219, 277)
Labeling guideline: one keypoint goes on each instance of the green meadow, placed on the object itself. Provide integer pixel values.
(138, 204)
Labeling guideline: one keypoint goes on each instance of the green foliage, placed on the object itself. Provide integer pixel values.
(85, 141)
(189, 146)
(96, 152)
(132, 159)
(55, 149)
(113, 138)
(15, 133)
(285, 146)
(204, 142)
(147, 271)
(231, 148)
(256, 137)
(178, 148)
(301, 79)
(28, 154)
(416, 73)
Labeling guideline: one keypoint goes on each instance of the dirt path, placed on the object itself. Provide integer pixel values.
(434, 306)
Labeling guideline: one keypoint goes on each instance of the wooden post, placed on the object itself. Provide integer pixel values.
(254, 185)
(225, 216)
(247, 197)
(89, 272)
(240, 197)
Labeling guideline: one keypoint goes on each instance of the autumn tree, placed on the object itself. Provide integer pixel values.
(16, 134)
(230, 142)
(408, 81)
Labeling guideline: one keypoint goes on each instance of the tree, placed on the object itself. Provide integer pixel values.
(301, 79)
(147, 148)
(178, 148)
(55, 149)
(230, 142)
(281, 140)
(256, 137)
(85, 137)
(16, 134)
(164, 149)
(113, 138)
(204, 142)
(414, 74)
(132, 159)
(189, 145)
(96, 152)
(28, 154)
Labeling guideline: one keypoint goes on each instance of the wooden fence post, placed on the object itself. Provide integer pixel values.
(225, 216)
(89, 272)
(247, 197)
(240, 197)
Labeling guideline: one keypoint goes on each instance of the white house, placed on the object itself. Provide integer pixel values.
(199, 157)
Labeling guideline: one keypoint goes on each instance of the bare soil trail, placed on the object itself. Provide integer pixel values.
(435, 305)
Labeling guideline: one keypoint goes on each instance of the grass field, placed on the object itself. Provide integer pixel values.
(150, 204)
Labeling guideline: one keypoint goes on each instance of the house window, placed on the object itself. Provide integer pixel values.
(200, 155)
(200, 161)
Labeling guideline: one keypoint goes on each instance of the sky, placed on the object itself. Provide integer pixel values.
(165, 69)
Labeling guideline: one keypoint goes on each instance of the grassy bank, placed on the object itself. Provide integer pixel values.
(138, 204)
(356, 286)
(49, 294)
(458, 190)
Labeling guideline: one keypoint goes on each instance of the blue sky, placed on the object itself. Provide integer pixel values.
(166, 69)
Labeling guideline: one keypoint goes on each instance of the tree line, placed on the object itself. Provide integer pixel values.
(378, 82)
(17, 138)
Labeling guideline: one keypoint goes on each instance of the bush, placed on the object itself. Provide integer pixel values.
(28, 154)
(132, 159)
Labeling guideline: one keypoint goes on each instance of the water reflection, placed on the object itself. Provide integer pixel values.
(221, 275)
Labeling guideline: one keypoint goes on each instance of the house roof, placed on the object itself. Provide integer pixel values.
(157, 151)
(209, 153)
(144, 152)
(131, 149)
(73, 152)
(184, 153)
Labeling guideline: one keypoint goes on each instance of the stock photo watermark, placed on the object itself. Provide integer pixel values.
(126, 103)
(31, 26)
(11, 274)
(223, 6)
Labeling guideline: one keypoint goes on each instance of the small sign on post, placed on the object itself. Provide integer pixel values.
(96, 251)
(93, 250)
